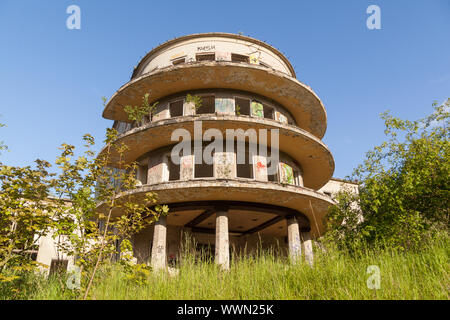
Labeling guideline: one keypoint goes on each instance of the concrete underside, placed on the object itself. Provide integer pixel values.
(310, 203)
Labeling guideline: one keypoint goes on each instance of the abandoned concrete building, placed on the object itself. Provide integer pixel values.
(243, 83)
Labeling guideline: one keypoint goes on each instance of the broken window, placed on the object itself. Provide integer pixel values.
(176, 108)
(208, 105)
(204, 170)
(121, 126)
(242, 106)
(174, 170)
(296, 178)
(239, 58)
(179, 61)
(268, 112)
(205, 57)
(244, 170)
(142, 173)
(272, 177)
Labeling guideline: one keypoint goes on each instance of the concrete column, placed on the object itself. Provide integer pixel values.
(222, 240)
(295, 250)
(159, 244)
(307, 247)
(224, 165)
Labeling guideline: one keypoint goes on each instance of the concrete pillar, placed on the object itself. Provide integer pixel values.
(222, 240)
(307, 247)
(295, 250)
(187, 167)
(159, 244)
(155, 169)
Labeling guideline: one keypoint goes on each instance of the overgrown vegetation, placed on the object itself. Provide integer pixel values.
(404, 194)
(196, 101)
(336, 275)
(66, 206)
(138, 113)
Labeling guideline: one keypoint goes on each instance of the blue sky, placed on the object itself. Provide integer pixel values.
(52, 79)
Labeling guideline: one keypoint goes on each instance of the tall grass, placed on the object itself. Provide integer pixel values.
(335, 275)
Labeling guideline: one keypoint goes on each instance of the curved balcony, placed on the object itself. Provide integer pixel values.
(213, 102)
(312, 204)
(298, 99)
(310, 153)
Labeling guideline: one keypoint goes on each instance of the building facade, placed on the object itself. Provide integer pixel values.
(245, 197)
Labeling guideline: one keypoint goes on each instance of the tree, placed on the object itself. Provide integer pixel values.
(26, 215)
(88, 182)
(92, 183)
(404, 186)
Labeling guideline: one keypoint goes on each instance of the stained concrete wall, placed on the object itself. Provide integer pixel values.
(48, 251)
(335, 185)
(222, 47)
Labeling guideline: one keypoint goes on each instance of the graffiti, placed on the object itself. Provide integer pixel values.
(287, 173)
(206, 48)
(224, 106)
(257, 109)
(374, 280)
(280, 117)
(260, 165)
(254, 59)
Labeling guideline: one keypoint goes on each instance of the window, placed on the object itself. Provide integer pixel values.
(204, 170)
(208, 105)
(178, 61)
(242, 106)
(296, 178)
(174, 170)
(244, 170)
(272, 177)
(176, 108)
(121, 126)
(268, 112)
(205, 57)
(239, 58)
(142, 173)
